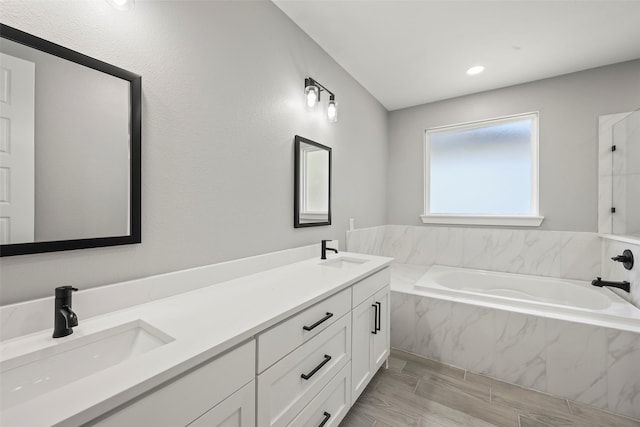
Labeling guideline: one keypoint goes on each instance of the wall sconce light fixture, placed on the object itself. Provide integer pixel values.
(312, 91)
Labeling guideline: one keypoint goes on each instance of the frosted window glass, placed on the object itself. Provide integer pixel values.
(482, 170)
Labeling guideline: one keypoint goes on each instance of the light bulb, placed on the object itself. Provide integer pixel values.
(311, 96)
(332, 111)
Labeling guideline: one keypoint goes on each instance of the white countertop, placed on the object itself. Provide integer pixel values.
(203, 322)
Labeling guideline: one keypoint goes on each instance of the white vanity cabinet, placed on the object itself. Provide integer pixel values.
(305, 371)
(370, 333)
(312, 366)
(220, 393)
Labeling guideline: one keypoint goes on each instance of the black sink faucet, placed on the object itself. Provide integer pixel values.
(64, 318)
(625, 286)
(325, 249)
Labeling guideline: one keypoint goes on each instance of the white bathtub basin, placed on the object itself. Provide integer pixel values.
(33, 374)
(540, 289)
(546, 296)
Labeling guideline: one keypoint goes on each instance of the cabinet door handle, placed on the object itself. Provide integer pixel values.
(317, 368)
(379, 313)
(375, 319)
(326, 418)
(324, 319)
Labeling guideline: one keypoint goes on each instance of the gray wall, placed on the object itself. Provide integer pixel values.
(569, 107)
(222, 100)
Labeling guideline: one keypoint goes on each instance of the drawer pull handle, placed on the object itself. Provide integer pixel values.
(379, 312)
(324, 319)
(375, 319)
(326, 418)
(317, 368)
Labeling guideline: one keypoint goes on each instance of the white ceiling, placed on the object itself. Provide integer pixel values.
(412, 52)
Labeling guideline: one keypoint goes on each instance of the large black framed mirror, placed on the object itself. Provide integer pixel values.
(70, 149)
(312, 184)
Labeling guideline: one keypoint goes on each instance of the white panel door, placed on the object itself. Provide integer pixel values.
(17, 173)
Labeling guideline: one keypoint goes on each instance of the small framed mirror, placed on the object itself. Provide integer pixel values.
(312, 184)
(70, 149)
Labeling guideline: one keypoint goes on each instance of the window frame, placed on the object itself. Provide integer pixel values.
(533, 219)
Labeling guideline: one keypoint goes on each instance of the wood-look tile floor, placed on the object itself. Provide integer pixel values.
(424, 393)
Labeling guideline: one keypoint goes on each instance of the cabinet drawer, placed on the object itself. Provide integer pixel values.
(370, 285)
(295, 331)
(331, 404)
(181, 401)
(282, 390)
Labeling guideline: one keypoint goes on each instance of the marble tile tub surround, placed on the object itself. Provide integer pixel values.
(590, 364)
(36, 315)
(612, 270)
(570, 255)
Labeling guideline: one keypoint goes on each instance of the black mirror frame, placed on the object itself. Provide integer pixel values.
(296, 184)
(135, 192)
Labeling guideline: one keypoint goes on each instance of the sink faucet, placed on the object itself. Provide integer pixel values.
(625, 286)
(64, 318)
(325, 249)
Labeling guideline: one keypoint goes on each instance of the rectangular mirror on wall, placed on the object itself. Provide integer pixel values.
(70, 149)
(312, 184)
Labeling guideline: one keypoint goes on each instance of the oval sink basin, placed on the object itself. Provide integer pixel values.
(343, 262)
(33, 374)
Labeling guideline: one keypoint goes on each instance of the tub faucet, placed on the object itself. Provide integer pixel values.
(325, 249)
(625, 286)
(626, 259)
(63, 317)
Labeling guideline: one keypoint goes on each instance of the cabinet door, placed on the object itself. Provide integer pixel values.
(381, 340)
(204, 388)
(361, 356)
(237, 410)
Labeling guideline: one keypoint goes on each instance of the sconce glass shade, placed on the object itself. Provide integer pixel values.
(332, 110)
(311, 95)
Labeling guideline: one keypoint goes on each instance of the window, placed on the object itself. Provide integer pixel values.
(483, 172)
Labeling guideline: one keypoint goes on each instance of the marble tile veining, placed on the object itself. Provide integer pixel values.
(520, 349)
(403, 325)
(623, 372)
(433, 328)
(470, 344)
(569, 255)
(577, 362)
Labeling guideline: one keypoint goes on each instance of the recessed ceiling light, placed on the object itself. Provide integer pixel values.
(476, 69)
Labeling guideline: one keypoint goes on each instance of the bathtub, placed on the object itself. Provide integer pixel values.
(544, 296)
(561, 337)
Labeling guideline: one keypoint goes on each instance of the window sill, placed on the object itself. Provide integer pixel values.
(507, 220)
